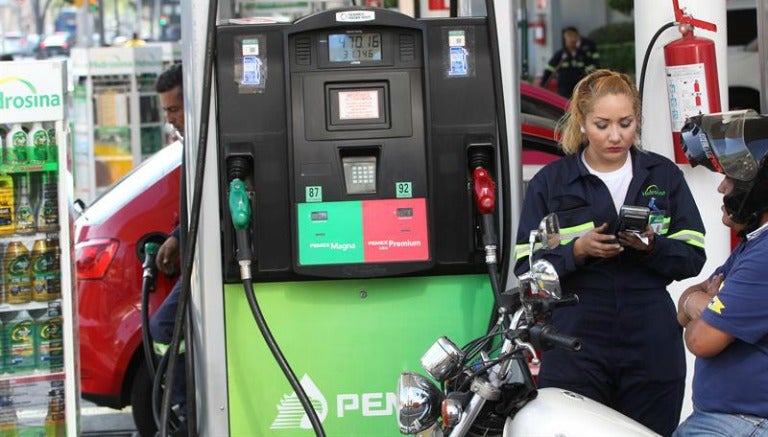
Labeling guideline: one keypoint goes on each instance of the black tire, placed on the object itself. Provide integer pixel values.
(141, 401)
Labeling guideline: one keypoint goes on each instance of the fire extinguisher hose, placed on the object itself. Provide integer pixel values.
(648, 55)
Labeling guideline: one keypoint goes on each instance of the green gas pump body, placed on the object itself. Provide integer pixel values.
(357, 127)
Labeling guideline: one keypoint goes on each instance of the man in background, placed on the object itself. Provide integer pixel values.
(576, 59)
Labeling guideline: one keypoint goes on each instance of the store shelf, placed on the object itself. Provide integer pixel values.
(34, 305)
(31, 378)
(21, 168)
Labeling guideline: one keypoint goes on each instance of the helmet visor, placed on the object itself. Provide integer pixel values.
(717, 142)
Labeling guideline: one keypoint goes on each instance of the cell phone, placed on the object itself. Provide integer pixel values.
(633, 218)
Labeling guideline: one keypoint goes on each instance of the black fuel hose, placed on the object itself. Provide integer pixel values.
(317, 426)
(501, 117)
(189, 249)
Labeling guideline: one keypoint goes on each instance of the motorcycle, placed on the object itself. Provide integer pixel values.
(487, 388)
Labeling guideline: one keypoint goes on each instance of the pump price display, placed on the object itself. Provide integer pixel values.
(345, 47)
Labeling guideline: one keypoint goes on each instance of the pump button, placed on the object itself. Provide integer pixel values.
(360, 174)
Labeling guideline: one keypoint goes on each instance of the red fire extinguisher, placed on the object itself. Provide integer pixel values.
(439, 5)
(540, 31)
(692, 83)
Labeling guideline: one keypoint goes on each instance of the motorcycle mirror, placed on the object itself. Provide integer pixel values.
(549, 231)
(548, 234)
(544, 280)
(418, 403)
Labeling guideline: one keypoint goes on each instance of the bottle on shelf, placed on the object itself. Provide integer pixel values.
(16, 274)
(37, 144)
(25, 215)
(48, 210)
(53, 150)
(46, 274)
(20, 339)
(55, 425)
(7, 210)
(49, 340)
(16, 145)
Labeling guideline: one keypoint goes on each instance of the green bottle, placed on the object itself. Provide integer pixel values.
(49, 340)
(20, 340)
(25, 214)
(16, 145)
(38, 144)
(53, 148)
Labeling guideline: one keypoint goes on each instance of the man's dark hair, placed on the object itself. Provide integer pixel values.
(570, 29)
(170, 79)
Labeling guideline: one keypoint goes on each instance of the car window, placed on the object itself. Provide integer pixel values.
(134, 183)
(533, 106)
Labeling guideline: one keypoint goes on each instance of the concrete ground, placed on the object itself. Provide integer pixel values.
(101, 421)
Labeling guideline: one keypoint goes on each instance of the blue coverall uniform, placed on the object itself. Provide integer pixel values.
(632, 357)
(571, 67)
(161, 328)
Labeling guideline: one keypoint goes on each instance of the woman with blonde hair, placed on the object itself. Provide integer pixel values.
(633, 358)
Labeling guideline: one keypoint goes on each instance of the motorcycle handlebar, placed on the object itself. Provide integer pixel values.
(546, 336)
(566, 301)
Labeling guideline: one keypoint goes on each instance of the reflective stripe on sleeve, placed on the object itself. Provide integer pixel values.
(521, 250)
(162, 348)
(566, 236)
(570, 233)
(689, 237)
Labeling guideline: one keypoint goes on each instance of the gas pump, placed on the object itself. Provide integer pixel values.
(366, 146)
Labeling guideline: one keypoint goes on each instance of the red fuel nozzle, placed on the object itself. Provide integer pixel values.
(485, 195)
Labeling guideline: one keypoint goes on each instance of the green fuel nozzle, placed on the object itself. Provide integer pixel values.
(239, 206)
(240, 210)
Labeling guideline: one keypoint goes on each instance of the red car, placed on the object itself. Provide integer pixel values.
(144, 206)
(109, 234)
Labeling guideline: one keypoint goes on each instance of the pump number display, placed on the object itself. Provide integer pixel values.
(345, 47)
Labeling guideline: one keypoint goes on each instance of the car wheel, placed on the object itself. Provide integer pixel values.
(141, 401)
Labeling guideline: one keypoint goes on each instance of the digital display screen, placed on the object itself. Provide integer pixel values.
(319, 216)
(356, 47)
(359, 104)
(404, 212)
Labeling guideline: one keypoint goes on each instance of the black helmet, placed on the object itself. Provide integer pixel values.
(735, 144)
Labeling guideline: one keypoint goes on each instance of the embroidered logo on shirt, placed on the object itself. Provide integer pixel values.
(716, 306)
(654, 190)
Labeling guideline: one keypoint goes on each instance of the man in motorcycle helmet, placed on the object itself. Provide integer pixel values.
(725, 316)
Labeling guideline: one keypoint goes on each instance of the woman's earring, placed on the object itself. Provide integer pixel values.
(581, 128)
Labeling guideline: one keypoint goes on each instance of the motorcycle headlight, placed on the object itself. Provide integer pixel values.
(443, 359)
(418, 403)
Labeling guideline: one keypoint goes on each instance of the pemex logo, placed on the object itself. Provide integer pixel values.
(290, 413)
(24, 96)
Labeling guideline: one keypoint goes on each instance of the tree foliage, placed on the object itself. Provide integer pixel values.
(623, 6)
(39, 10)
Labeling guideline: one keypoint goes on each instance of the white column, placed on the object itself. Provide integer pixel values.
(650, 15)
(207, 288)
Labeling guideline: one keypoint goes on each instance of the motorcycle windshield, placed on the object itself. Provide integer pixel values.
(718, 142)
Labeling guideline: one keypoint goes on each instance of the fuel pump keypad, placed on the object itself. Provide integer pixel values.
(360, 174)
